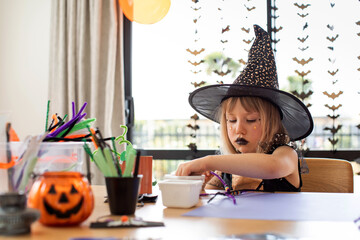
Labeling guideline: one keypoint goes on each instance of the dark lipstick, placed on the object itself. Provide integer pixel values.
(241, 141)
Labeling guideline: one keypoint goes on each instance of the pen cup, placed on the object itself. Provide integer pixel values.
(122, 194)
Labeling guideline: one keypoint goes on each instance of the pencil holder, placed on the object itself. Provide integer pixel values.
(122, 194)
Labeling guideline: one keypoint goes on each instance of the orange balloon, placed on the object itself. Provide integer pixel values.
(145, 11)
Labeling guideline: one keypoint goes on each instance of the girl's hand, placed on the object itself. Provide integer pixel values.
(194, 167)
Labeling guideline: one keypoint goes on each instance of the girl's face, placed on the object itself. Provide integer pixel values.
(243, 128)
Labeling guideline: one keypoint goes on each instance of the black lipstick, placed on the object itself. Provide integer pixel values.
(241, 141)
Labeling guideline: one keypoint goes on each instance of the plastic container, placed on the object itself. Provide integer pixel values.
(59, 156)
(174, 177)
(180, 193)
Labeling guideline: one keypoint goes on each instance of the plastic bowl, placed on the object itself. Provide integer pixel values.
(180, 193)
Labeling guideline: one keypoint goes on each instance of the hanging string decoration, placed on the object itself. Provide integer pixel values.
(304, 92)
(274, 30)
(196, 62)
(335, 93)
(220, 60)
(358, 57)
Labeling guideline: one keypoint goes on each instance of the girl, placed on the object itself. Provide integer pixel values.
(257, 122)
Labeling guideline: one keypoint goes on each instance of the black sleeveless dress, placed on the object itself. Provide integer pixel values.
(271, 185)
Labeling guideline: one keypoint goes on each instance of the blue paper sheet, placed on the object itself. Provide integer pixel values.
(284, 206)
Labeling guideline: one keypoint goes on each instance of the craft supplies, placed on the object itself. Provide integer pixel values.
(124, 222)
(110, 162)
(180, 193)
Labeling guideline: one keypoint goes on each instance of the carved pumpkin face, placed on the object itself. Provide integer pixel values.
(63, 198)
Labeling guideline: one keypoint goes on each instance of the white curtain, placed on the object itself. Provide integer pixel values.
(86, 63)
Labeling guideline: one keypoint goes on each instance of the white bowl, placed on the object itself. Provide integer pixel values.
(180, 193)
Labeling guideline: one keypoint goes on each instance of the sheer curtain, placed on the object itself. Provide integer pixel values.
(86, 62)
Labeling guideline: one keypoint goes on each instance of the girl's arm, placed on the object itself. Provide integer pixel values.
(281, 163)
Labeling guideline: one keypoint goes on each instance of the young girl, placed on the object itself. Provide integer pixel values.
(257, 123)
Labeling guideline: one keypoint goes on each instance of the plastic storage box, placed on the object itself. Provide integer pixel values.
(59, 156)
(180, 193)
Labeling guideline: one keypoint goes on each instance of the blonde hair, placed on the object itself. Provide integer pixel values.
(270, 122)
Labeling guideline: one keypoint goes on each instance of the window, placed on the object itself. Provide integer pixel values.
(324, 37)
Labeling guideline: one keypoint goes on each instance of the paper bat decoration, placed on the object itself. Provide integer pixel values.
(303, 49)
(333, 95)
(332, 39)
(223, 41)
(358, 23)
(275, 40)
(302, 74)
(195, 52)
(332, 4)
(196, 63)
(358, 69)
(198, 84)
(333, 107)
(192, 147)
(302, 95)
(302, 6)
(333, 130)
(221, 73)
(333, 116)
(308, 105)
(333, 82)
(220, 82)
(219, 9)
(242, 61)
(248, 41)
(225, 29)
(332, 60)
(195, 117)
(250, 9)
(195, 1)
(303, 61)
(245, 30)
(195, 20)
(305, 26)
(303, 39)
(193, 127)
(277, 29)
(331, 48)
(196, 9)
(331, 27)
(333, 73)
(302, 15)
(333, 141)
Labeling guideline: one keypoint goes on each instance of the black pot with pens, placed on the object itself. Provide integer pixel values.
(121, 184)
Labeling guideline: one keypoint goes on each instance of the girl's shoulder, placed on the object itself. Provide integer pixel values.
(279, 140)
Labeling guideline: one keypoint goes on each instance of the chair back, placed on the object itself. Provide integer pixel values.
(328, 175)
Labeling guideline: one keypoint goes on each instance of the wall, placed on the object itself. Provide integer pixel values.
(24, 63)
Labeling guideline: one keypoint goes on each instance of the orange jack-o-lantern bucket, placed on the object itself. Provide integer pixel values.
(63, 198)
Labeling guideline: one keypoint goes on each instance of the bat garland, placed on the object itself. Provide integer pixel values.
(304, 96)
(334, 129)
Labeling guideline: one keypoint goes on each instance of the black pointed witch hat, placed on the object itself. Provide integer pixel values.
(258, 79)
